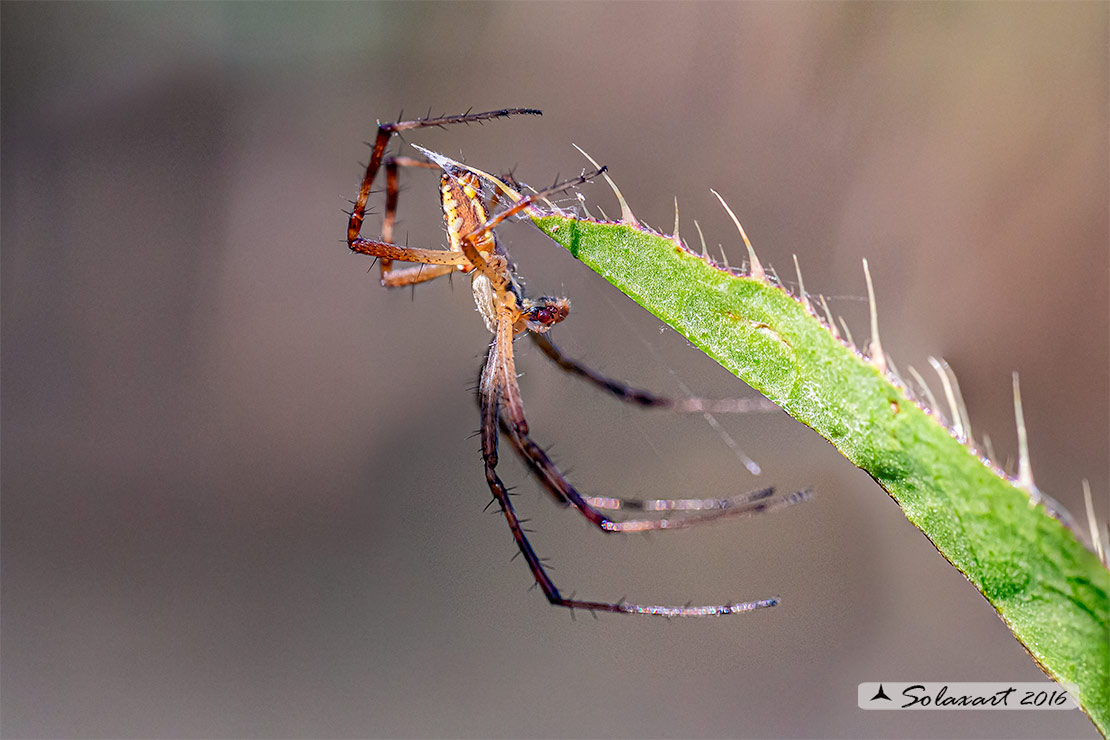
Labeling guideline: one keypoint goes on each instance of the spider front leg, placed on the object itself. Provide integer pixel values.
(490, 392)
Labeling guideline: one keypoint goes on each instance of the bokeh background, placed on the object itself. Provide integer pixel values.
(239, 497)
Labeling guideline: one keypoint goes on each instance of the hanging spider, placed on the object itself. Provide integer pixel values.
(468, 198)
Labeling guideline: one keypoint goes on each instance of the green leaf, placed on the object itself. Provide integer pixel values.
(1047, 586)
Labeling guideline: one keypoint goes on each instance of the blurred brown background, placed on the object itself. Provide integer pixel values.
(239, 499)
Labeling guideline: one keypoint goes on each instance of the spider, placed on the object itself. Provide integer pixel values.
(468, 198)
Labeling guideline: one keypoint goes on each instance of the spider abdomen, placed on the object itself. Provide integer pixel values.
(464, 212)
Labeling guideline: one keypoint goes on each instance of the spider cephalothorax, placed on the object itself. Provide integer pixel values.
(469, 197)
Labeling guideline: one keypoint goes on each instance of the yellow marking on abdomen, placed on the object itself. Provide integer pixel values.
(463, 211)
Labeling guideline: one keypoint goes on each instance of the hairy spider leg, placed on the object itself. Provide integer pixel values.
(465, 217)
(382, 249)
(691, 511)
(696, 510)
(747, 504)
(464, 211)
(392, 277)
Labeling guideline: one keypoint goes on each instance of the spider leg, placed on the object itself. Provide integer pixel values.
(377, 155)
(647, 399)
(694, 508)
(395, 278)
(489, 393)
(510, 388)
(390, 277)
(555, 492)
(386, 131)
(690, 512)
(385, 250)
(709, 509)
(393, 189)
